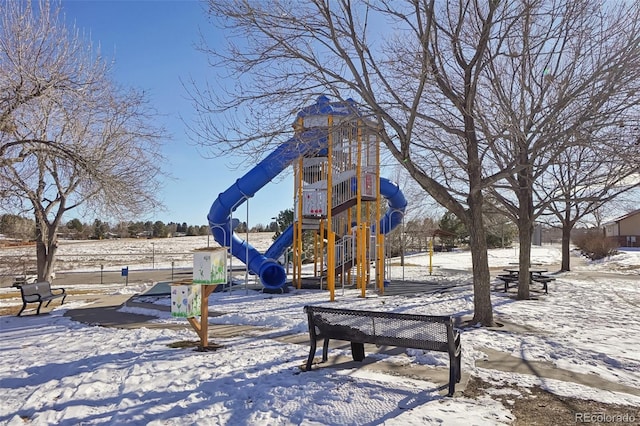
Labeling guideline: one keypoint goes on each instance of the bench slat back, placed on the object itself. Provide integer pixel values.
(42, 288)
(382, 328)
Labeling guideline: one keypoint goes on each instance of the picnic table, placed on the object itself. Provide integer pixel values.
(532, 271)
(535, 275)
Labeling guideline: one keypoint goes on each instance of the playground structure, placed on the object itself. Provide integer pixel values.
(335, 152)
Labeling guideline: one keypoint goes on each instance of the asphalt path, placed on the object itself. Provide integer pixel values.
(98, 277)
(114, 277)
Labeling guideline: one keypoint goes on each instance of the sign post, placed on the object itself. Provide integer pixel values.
(125, 273)
(191, 299)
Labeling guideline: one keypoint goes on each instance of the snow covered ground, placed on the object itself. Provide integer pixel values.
(57, 371)
(114, 254)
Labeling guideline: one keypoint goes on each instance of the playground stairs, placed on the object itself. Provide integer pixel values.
(345, 255)
(345, 259)
(345, 266)
(336, 210)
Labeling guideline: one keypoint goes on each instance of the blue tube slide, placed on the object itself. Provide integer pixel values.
(397, 205)
(270, 272)
(280, 244)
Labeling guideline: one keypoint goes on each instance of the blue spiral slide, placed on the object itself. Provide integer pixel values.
(271, 273)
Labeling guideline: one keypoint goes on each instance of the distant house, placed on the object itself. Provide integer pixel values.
(625, 230)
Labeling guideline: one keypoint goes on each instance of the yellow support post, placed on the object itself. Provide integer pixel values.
(331, 240)
(297, 229)
(362, 258)
(321, 249)
(294, 257)
(352, 243)
(316, 245)
(297, 234)
(360, 247)
(380, 259)
(379, 235)
(295, 254)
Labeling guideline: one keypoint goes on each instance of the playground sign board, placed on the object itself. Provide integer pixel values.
(186, 300)
(209, 267)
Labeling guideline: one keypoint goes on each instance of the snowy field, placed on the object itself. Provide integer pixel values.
(57, 371)
(114, 254)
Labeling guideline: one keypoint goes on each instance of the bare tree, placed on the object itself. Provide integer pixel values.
(565, 71)
(585, 178)
(475, 97)
(70, 137)
(420, 81)
(35, 65)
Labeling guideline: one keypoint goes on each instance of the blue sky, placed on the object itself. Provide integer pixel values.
(152, 44)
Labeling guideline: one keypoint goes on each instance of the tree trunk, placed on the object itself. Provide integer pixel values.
(46, 247)
(525, 231)
(483, 310)
(567, 225)
(525, 227)
(566, 242)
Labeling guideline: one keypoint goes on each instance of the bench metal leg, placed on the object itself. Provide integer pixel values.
(454, 377)
(452, 382)
(455, 366)
(325, 350)
(506, 284)
(64, 296)
(312, 353)
(455, 373)
(357, 351)
(24, 305)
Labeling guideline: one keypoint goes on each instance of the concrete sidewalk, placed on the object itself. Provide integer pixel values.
(105, 312)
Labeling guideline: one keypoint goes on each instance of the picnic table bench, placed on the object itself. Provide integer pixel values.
(38, 293)
(535, 274)
(435, 333)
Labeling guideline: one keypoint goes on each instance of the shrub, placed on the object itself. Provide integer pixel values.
(595, 245)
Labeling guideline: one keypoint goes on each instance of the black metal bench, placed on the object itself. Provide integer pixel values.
(544, 280)
(39, 293)
(508, 279)
(434, 333)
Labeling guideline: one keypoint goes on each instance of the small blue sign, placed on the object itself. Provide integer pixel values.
(125, 271)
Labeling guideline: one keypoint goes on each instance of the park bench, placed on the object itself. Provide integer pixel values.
(508, 279)
(435, 333)
(39, 293)
(544, 280)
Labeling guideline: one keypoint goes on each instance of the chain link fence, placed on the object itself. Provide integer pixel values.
(100, 268)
